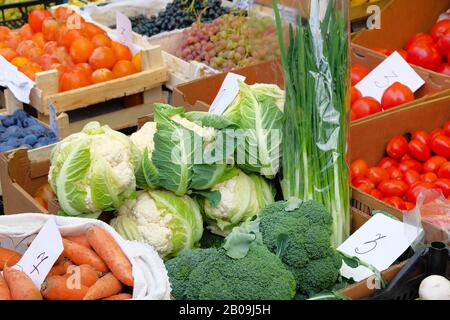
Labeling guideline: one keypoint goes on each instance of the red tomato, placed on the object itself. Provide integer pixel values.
(403, 53)
(352, 115)
(396, 95)
(406, 165)
(376, 194)
(397, 147)
(376, 175)
(443, 185)
(439, 29)
(409, 205)
(416, 189)
(394, 173)
(363, 180)
(424, 55)
(425, 37)
(358, 72)
(447, 128)
(407, 156)
(364, 187)
(421, 135)
(382, 51)
(436, 132)
(443, 44)
(441, 145)
(386, 163)
(393, 188)
(428, 177)
(358, 168)
(433, 164)
(444, 170)
(411, 177)
(444, 69)
(396, 202)
(365, 106)
(355, 95)
(36, 18)
(419, 150)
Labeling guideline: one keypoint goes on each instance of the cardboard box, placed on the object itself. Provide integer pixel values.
(368, 139)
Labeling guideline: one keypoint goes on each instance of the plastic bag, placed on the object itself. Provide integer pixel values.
(151, 281)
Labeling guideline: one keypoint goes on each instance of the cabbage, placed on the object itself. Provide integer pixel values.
(242, 197)
(258, 111)
(168, 222)
(93, 171)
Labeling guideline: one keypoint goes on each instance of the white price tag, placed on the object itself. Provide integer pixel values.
(52, 119)
(42, 253)
(124, 29)
(228, 91)
(393, 69)
(379, 242)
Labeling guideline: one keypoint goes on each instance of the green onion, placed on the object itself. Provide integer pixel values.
(315, 131)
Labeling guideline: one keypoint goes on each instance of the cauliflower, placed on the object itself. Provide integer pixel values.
(144, 137)
(207, 133)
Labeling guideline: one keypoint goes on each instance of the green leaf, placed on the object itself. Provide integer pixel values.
(238, 242)
(282, 244)
(352, 262)
(146, 174)
(213, 197)
(292, 204)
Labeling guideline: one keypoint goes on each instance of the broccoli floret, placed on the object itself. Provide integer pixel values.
(210, 240)
(209, 274)
(308, 255)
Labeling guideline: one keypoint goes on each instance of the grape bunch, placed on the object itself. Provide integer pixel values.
(230, 41)
(178, 14)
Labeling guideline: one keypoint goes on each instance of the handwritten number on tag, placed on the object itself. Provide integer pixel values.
(372, 243)
(41, 258)
(387, 81)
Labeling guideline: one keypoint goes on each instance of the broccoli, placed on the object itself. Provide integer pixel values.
(209, 274)
(308, 253)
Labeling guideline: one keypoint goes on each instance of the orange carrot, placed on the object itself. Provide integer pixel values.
(4, 290)
(82, 255)
(62, 258)
(88, 275)
(106, 286)
(20, 285)
(59, 288)
(81, 240)
(8, 257)
(120, 296)
(59, 269)
(108, 249)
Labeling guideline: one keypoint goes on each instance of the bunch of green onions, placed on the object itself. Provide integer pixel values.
(316, 70)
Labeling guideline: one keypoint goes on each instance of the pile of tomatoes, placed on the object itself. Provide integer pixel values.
(82, 52)
(395, 95)
(414, 162)
(428, 50)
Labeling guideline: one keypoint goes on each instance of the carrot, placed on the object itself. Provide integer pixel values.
(108, 249)
(82, 255)
(62, 258)
(20, 285)
(88, 275)
(58, 288)
(120, 296)
(8, 257)
(81, 240)
(59, 269)
(106, 286)
(4, 290)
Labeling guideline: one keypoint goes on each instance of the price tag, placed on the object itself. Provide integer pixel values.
(393, 69)
(52, 119)
(228, 91)
(243, 4)
(379, 242)
(42, 253)
(124, 29)
(288, 14)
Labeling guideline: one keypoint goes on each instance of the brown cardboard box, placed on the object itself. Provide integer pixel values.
(368, 139)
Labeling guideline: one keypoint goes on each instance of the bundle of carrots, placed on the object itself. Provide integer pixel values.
(91, 267)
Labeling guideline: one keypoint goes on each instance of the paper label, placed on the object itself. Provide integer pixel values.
(288, 14)
(42, 254)
(52, 119)
(124, 29)
(379, 242)
(228, 91)
(393, 69)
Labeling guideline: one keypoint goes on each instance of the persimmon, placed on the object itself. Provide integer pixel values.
(70, 37)
(122, 52)
(4, 33)
(3, 44)
(90, 30)
(137, 61)
(73, 80)
(103, 57)
(81, 49)
(8, 53)
(123, 68)
(49, 47)
(14, 39)
(20, 61)
(102, 75)
(47, 61)
(85, 68)
(38, 39)
(30, 69)
(26, 32)
(33, 54)
(101, 40)
(36, 19)
(50, 29)
(63, 56)
(62, 13)
(61, 34)
(24, 47)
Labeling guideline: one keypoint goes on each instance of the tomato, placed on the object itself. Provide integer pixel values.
(406, 165)
(441, 145)
(73, 80)
(395, 173)
(81, 49)
(397, 147)
(402, 52)
(358, 168)
(421, 135)
(138, 64)
(393, 188)
(8, 53)
(4, 33)
(365, 106)
(446, 128)
(382, 51)
(376, 194)
(419, 37)
(433, 164)
(355, 94)
(443, 44)
(419, 150)
(411, 176)
(376, 175)
(396, 202)
(407, 156)
(396, 95)
(101, 40)
(443, 185)
(102, 57)
(50, 29)
(416, 189)
(352, 115)
(102, 75)
(36, 18)
(364, 187)
(122, 52)
(90, 30)
(123, 68)
(363, 180)
(409, 205)
(358, 72)
(424, 55)
(428, 177)
(386, 163)
(444, 170)
(444, 69)
(439, 29)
